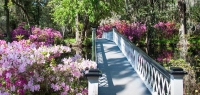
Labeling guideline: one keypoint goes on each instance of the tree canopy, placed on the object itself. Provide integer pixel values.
(65, 11)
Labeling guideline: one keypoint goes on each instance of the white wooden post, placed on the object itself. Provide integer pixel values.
(113, 30)
(93, 77)
(93, 85)
(176, 80)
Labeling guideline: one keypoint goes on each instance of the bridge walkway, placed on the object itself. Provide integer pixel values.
(118, 76)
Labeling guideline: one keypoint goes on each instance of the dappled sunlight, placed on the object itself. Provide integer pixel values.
(118, 76)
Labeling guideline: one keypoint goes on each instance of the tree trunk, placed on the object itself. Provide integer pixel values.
(182, 10)
(126, 6)
(83, 33)
(63, 28)
(78, 50)
(148, 22)
(183, 42)
(7, 20)
(38, 11)
(183, 39)
(24, 10)
(78, 40)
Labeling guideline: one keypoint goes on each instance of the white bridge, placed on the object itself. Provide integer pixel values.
(127, 70)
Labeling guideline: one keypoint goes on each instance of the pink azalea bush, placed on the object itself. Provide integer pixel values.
(99, 32)
(166, 28)
(47, 36)
(133, 31)
(20, 32)
(165, 56)
(103, 28)
(27, 69)
(121, 26)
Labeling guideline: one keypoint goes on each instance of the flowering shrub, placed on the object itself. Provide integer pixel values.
(133, 31)
(166, 56)
(107, 27)
(99, 32)
(27, 69)
(103, 28)
(121, 26)
(46, 35)
(20, 32)
(167, 28)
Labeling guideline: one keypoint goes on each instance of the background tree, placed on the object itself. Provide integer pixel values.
(33, 12)
(82, 14)
(7, 14)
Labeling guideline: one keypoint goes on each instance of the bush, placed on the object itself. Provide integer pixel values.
(46, 35)
(166, 29)
(133, 31)
(87, 42)
(20, 32)
(26, 69)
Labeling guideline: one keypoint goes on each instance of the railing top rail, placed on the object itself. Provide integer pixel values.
(156, 65)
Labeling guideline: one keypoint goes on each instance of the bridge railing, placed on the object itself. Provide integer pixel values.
(157, 79)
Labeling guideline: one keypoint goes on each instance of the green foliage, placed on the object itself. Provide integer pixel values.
(1, 8)
(195, 13)
(87, 42)
(58, 41)
(70, 40)
(151, 11)
(65, 11)
(19, 37)
(194, 40)
(180, 63)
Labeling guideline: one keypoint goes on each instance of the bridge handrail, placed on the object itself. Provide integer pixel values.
(160, 68)
(155, 77)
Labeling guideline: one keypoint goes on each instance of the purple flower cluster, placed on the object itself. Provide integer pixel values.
(99, 31)
(2, 42)
(121, 26)
(20, 32)
(103, 28)
(134, 31)
(46, 35)
(165, 56)
(167, 28)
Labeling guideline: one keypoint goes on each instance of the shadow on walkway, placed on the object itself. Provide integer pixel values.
(119, 78)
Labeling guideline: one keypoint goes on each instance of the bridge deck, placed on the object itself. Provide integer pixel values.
(119, 78)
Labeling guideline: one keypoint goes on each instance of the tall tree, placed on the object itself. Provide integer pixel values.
(7, 19)
(81, 13)
(2, 29)
(23, 9)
